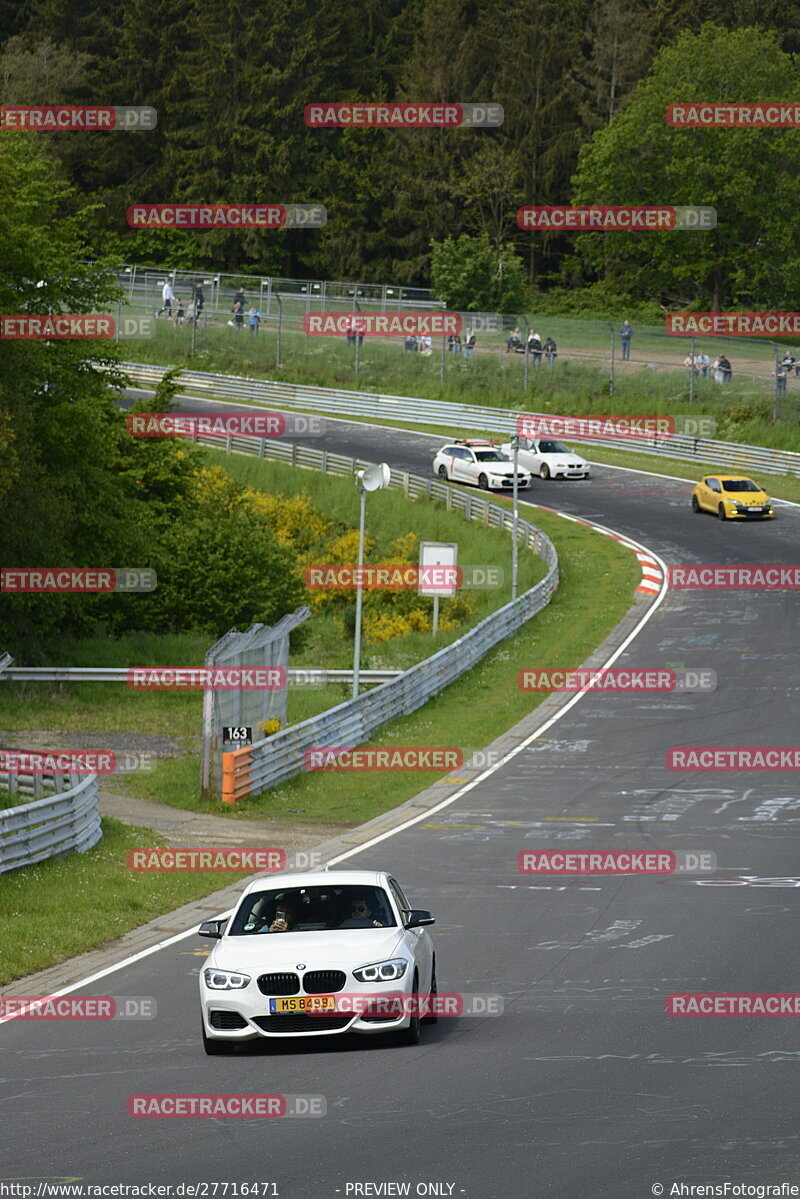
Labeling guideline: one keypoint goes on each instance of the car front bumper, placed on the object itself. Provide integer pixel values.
(508, 484)
(247, 1017)
(759, 514)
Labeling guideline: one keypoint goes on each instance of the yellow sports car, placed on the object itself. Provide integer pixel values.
(731, 497)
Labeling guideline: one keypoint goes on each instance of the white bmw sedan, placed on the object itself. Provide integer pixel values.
(548, 458)
(480, 462)
(316, 954)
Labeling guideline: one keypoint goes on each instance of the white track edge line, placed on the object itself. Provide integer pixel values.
(445, 803)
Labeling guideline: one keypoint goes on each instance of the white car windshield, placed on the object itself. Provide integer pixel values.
(490, 456)
(553, 447)
(313, 909)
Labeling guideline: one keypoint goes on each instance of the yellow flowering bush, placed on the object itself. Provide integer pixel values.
(384, 626)
(293, 518)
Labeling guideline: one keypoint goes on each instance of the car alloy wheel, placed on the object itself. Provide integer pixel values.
(443, 472)
(695, 505)
(721, 513)
(544, 471)
(483, 481)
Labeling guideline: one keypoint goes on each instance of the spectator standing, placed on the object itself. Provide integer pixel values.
(179, 314)
(469, 345)
(191, 312)
(350, 336)
(199, 298)
(626, 333)
(238, 315)
(456, 343)
(535, 346)
(726, 368)
(359, 328)
(167, 296)
(240, 296)
(550, 351)
(690, 362)
(703, 361)
(717, 369)
(254, 319)
(781, 375)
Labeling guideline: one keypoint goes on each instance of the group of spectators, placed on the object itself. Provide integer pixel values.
(720, 370)
(532, 346)
(196, 304)
(168, 298)
(700, 364)
(424, 344)
(239, 314)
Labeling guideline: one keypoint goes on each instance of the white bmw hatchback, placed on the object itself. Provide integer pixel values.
(317, 954)
(548, 458)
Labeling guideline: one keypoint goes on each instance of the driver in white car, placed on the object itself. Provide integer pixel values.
(361, 915)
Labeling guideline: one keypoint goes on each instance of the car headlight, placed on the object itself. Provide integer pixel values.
(225, 980)
(381, 972)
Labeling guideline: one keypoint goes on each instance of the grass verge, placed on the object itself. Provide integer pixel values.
(65, 906)
(598, 577)
(73, 904)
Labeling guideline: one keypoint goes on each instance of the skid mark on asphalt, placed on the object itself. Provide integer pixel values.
(729, 1058)
(598, 937)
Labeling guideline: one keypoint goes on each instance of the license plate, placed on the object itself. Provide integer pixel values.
(302, 1003)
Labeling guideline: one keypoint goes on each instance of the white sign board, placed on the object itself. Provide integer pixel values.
(438, 582)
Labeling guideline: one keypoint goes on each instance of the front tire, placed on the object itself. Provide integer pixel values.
(214, 1048)
(695, 505)
(721, 513)
(434, 1016)
(483, 481)
(544, 471)
(410, 1035)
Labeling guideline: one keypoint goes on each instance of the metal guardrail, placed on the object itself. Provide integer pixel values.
(275, 759)
(411, 410)
(65, 822)
(311, 677)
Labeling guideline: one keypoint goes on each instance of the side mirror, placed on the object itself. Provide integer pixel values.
(211, 928)
(417, 917)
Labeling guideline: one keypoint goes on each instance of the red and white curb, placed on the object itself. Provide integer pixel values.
(653, 569)
(652, 574)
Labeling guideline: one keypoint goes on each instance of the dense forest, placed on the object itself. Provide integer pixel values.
(583, 86)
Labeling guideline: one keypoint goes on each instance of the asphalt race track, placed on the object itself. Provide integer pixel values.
(584, 1087)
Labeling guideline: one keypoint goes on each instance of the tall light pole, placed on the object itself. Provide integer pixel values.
(515, 525)
(373, 478)
(280, 321)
